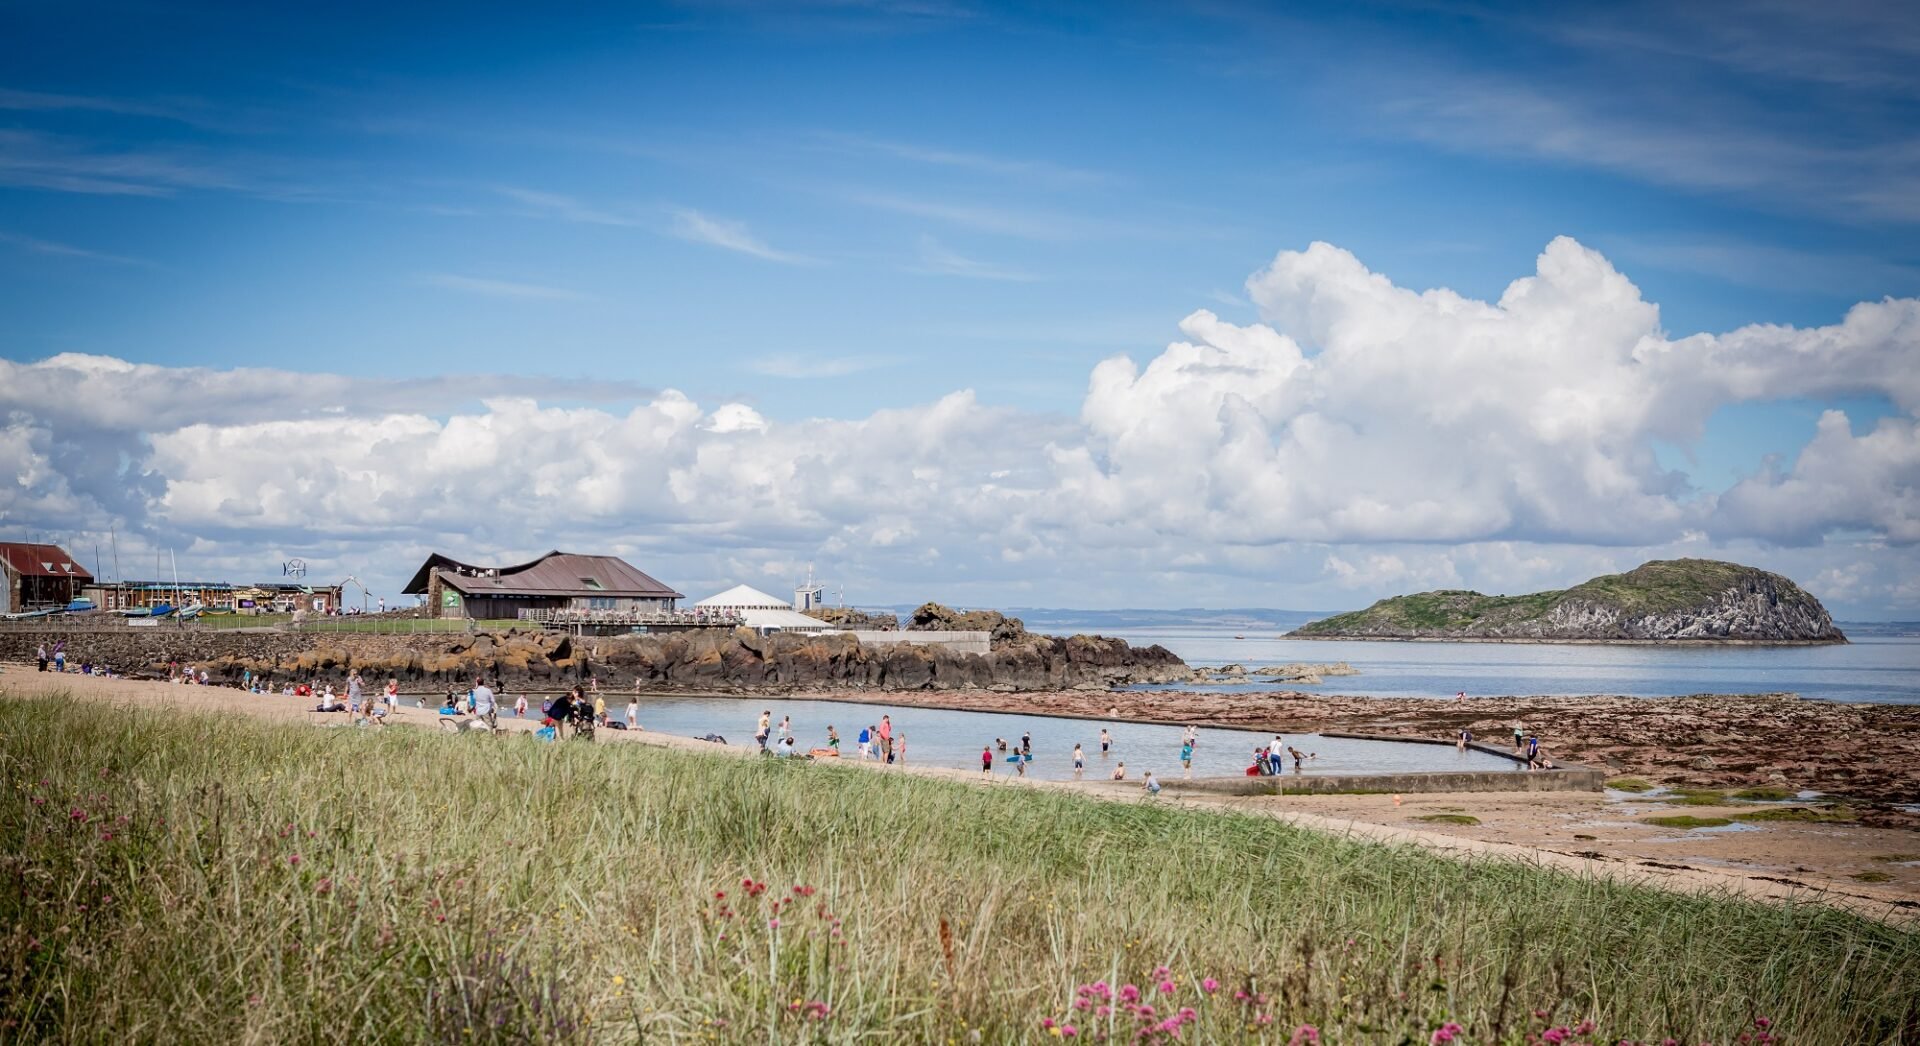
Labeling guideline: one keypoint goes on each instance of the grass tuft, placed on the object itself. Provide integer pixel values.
(1630, 784)
(1687, 821)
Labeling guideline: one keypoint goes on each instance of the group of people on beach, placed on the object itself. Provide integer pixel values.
(54, 659)
(876, 741)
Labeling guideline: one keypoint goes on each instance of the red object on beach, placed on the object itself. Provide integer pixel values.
(1253, 771)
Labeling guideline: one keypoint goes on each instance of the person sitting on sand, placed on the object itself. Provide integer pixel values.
(785, 749)
(1120, 772)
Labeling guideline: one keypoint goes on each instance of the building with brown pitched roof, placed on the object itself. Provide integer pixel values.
(38, 577)
(555, 581)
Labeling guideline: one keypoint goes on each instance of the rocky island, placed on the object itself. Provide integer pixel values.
(1673, 600)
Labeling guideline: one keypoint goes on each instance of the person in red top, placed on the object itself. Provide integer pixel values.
(986, 760)
(886, 738)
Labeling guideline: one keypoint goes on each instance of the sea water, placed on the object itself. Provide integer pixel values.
(1881, 669)
(953, 739)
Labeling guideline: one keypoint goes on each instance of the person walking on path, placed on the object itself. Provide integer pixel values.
(886, 739)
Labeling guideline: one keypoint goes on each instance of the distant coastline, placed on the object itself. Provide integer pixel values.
(1532, 641)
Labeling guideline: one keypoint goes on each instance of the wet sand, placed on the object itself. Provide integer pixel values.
(1868, 755)
(1581, 833)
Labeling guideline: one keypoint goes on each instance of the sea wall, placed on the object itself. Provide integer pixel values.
(705, 660)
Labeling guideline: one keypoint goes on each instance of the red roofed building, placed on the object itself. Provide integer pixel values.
(38, 577)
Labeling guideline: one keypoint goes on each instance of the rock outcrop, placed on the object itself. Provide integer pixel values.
(932, 617)
(857, 620)
(1679, 600)
(701, 660)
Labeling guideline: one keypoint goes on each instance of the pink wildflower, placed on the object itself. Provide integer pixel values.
(1166, 987)
(1068, 1031)
(1209, 986)
(1129, 993)
(293, 859)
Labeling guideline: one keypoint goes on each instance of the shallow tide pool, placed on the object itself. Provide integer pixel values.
(940, 737)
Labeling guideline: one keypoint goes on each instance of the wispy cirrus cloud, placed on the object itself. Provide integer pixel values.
(1001, 221)
(541, 204)
(936, 259)
(1769, 266)
(1038, 171)
(191, 112)
(33, 160)
(66, 250)
(502, 288)
(796, 365)
(696, 227)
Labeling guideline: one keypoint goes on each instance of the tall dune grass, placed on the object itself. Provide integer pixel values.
(180, 877)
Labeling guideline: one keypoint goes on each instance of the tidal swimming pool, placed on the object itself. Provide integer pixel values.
(947, 738)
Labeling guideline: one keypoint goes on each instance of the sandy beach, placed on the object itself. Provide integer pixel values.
(1576, 832)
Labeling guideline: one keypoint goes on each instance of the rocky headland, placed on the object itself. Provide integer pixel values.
(705, 660)
(1677, 601)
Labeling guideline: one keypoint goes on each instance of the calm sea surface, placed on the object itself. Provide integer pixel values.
(940, 737)
(1879, 669)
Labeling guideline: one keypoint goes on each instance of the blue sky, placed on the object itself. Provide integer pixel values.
(824, 210)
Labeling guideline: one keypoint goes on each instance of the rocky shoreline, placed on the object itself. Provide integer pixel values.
(1865, 754)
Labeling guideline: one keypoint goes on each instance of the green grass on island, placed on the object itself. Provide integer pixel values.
(1657, 587)
(176, 877)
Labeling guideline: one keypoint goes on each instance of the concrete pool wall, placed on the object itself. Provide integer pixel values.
(1564, 777)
